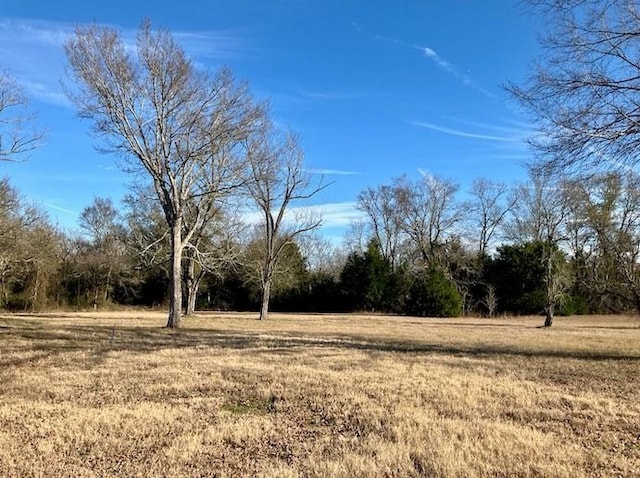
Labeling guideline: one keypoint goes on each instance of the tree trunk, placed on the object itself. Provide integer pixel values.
(191, 286)
(36, 289)
(96, 292)
(4, 291)
(107, 286)
(175, 279)
(192, 283)
(266, 295)
(191, 302)
(548, 321)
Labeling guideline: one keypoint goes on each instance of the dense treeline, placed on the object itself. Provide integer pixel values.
(560, 245)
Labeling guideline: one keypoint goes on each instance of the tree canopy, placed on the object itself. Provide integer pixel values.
(583, 91)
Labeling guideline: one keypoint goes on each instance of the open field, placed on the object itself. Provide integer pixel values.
(115, 394)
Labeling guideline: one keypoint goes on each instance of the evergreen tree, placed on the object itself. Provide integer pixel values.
(518, 275)
(432, 294)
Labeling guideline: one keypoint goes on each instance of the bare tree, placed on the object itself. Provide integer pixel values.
(213, 248)
(16, 134)
(381, 206)
(610, 207)
(105, 252)
(487, 209)
(356, 236)
(279, 182)
(429, 214)
(179, 126)
(42, 247)
(322, 255)
(491, 300)
(29, 248)
(583, 92)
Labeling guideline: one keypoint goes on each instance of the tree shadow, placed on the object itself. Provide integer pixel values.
(101, 340)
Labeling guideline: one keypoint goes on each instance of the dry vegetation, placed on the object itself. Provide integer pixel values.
(117, 395)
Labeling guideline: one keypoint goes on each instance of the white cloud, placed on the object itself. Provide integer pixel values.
(224, 44)
(33, 50)
(467, 134)
(431, 54)
(61, 209)
(426, 174)
(339, 214)
(332, 172)
(327, 95)
(334, 215)
(503, 140)
(48, 93)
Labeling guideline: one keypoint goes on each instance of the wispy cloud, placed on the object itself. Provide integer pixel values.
(325, 95)
(33, 51)
(221, 45)
(467, 134)
(425, 173)
(432, 55)
(334, 215)
(504, 139)
(334, 95)
(61, 209)
(332, 172)
(47, 92)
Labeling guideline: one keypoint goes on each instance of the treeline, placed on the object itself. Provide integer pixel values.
(546, 246)
(549, 245)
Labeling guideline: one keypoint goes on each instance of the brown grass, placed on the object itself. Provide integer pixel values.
(115, 394)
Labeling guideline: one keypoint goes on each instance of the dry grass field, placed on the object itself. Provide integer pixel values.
(115, 394)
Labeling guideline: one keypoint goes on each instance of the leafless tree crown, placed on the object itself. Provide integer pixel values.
(583, 92)
(17, 135)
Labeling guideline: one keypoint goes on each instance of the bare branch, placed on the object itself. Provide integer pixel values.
(584, 91)
(17, 137)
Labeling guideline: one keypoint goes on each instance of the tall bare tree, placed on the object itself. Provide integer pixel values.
(429, 213)
(583, 92)
(180, 126)
(278, 183)
(381, 206)
(17, 135)
(488, 209)
(42, 249)
(105, 251)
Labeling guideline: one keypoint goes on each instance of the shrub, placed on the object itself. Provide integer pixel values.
(432, 294)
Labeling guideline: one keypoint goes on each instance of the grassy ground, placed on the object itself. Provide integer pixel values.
(115, 394)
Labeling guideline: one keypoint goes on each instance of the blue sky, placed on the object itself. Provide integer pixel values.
(376, 89)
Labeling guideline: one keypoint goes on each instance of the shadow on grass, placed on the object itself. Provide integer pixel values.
(44, 340)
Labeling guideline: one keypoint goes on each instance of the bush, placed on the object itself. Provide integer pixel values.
(574, 305)
(432, 294)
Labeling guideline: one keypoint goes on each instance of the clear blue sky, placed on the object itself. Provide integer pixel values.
(376, 89)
